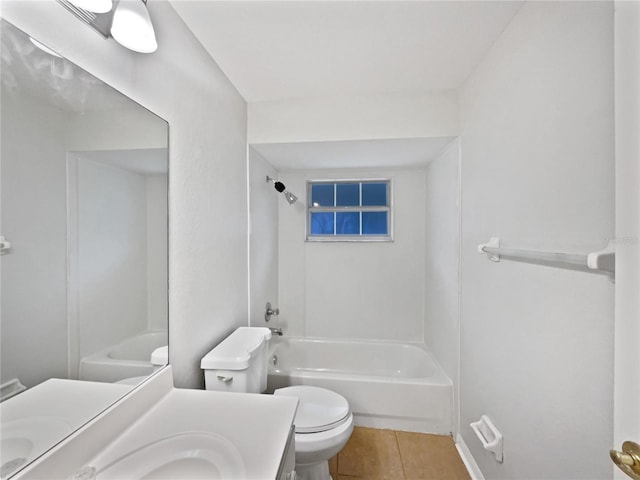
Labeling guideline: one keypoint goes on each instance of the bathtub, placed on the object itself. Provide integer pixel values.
(388, 385)
(129, 358)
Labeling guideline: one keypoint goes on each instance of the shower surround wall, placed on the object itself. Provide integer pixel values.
(111, 266)
(354, 290)
(157, 248)
(117, 251)
(538, 171)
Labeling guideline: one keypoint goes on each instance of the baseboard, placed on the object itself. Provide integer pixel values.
(403, 424)
(468, 460)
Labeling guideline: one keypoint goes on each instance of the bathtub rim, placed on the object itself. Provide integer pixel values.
(104, 352)
(439, 377)
(128, 340)
(104, 368)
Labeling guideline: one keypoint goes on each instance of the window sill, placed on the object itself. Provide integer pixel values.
(343, 239)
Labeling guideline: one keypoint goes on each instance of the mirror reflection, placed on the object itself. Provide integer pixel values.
(84, 239)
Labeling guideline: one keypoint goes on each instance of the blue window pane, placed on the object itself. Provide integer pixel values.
(347, 223)
(321, 223)
(348, 195)
(322, 195)
(374, 194)
(374, 223)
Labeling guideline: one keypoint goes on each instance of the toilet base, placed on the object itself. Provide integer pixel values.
(315, 471)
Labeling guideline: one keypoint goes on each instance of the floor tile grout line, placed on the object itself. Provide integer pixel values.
(404, 473)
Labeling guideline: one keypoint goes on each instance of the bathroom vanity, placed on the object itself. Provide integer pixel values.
(159, 431)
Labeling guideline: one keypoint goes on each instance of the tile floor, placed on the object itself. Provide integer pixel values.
(374, 454)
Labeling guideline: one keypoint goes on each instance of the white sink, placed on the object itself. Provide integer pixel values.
(187, 456)
(25, 439)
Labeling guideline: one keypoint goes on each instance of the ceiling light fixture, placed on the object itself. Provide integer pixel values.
(95, 6)
(128, 23)
(132, 27)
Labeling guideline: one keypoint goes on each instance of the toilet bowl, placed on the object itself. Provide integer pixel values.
(323, 422)
(323, 425)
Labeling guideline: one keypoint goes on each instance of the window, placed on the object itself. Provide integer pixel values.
(349, 210)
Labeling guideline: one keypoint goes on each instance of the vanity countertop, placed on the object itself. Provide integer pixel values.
(256, 427)
(73, 401)
(34, 420)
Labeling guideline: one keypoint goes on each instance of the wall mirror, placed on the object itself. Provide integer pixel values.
(84, 250)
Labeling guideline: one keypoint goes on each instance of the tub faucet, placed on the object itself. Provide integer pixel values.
(276, 331)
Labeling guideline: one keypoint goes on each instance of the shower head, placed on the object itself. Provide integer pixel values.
(280, 187)
(291, 198)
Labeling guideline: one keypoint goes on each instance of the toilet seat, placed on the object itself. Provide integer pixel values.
(311, 446)
(319, 410)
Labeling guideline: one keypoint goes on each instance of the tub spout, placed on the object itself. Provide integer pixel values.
(276, 331)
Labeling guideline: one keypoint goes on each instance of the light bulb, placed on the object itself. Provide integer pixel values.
(132, 27)
(291, 198)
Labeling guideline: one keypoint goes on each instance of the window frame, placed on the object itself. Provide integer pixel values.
(335, 209)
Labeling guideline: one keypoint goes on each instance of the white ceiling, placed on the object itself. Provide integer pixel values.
(404, 152)
(275, 50)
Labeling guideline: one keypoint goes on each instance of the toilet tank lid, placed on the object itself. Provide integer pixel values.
(235, 351)
(160, 356)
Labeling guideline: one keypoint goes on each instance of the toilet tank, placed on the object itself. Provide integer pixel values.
(160, 357)
(239, 362)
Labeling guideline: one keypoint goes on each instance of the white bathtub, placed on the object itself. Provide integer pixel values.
(388, 385)
(129, 358)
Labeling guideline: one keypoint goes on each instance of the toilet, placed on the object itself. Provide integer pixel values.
(323, 422)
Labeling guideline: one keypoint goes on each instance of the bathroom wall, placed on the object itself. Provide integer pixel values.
(208, 262)
(208, 180)
(538, 171)
(34, 274)
(431, 114)
(353, 289)
(263, 238)
(442, 249)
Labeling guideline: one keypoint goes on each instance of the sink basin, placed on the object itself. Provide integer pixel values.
(25, 439)
(187, 455)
